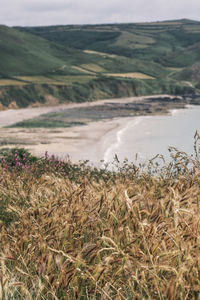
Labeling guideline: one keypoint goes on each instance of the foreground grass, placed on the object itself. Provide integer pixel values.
(73, 232)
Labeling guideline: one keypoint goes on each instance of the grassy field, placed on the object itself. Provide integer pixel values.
(83, 70)
(131, 75)
(93, 68)
(46, 123)
(62, 55)
(73, 232)
(37, 79)
(167, 43)
(99, 53)
(134, 41)
(7, 82)
(55, 79)
(71, 79)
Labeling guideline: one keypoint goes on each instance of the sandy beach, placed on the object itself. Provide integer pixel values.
(11, 116)
(77, 142)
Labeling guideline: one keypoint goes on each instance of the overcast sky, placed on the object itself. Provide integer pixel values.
(52, 12)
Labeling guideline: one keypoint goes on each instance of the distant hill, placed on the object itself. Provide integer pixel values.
(156, 41)
(66, 61)
(26, 54)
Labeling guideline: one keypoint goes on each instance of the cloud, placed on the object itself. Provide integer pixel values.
(47, 6)
(49, 12)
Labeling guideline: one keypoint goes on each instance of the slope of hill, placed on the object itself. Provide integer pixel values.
(142, 40)
(192, 73)
(38, 62)
(25, 54)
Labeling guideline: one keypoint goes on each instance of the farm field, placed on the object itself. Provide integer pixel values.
(99, 53)
(72, 63)
(93, 68)
(131, 75)
(7, 82)
(55, 79)
(81, 69)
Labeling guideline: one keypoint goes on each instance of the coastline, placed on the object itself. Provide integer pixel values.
(114, 138)
(94, 141)
(149, 134)
(11, 116)
(74, 142)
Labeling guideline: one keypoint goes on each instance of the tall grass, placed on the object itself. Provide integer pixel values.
(72, 232)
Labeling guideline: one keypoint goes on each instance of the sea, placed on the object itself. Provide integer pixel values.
(142, 138)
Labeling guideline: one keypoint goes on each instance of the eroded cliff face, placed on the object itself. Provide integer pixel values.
(44, 94)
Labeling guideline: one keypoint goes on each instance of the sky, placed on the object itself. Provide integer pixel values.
(57, 12)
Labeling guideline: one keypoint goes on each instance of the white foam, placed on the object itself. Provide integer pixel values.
(173, 112)
(112, 149)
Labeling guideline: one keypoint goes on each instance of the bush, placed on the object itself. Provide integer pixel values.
(16, 158)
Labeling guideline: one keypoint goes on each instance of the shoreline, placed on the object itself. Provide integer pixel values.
(140, 121)
(11, 116)
(134, 121)
(77, 142)
(62, 142)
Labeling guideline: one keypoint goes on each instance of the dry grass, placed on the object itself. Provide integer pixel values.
(100, 53)
(57, 79)
(82, 70)
(133, 40)
(6, 82)
(37, 79)
(174, 69)
(131, 75)
(93, 68)
(134, 237)
(73, 78)
(192, 28)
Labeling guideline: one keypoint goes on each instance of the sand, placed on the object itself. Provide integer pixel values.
(78, 142)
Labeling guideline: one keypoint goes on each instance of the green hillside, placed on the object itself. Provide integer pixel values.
(154, 41)
(191, 73)
(90, 59)
(24, 54)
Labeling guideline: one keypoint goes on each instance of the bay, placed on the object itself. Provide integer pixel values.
(146, 136)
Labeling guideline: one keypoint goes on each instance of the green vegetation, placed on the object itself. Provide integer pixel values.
(82, 57)
(89, 90)
(190, 74)
(70, 231)
(25, 54)
(46, 123)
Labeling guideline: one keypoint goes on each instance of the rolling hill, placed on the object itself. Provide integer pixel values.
(24, 54)
(88, 62)
(153, 41)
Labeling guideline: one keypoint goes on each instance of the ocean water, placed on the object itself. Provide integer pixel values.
(146, 136)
